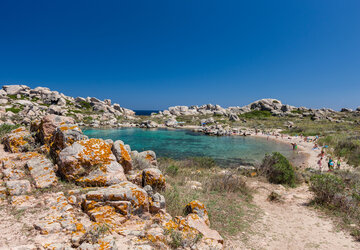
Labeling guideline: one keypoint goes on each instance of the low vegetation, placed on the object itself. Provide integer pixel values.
(258, 114)
(338, 193)
(224, 193)
(6, 128)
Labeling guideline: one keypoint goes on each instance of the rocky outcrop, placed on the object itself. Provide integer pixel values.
(115, 195)
(18, 140)
(90, 163)
(48, 125)
(120, 213)
(24, 104)
(64, 136)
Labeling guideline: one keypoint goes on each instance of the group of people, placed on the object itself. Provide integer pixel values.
(331, 162)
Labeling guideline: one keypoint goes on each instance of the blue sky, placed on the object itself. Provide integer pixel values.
(155, 54)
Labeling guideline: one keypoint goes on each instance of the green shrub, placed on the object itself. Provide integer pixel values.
(88, 119)
(326, 186)
(6, 128)
(296, 111)
(14, 110)
(278, 169)
(256, 114)
(85, 105)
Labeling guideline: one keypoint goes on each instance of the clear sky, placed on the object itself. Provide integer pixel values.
(153, 54)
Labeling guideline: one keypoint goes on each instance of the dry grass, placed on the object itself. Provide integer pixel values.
(225, 195)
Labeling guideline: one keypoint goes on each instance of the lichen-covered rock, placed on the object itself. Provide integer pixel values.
(60, 217)
(18, 187)
(123, 191)
(11, 174)
(150, 156)
(90, 163)
(106, 214)
(23, 201)
(18, 140)
(145, 159)
(196, 207)
(157, 202)
(195, 221)
(65, 135)
(154, 178)
(122, 155)
(48, 125)
(42, 171)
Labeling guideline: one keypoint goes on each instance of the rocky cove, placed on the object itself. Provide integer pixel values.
(61, 188)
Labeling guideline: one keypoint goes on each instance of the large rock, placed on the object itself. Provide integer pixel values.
(48, 125)
(64, 136)
(42, 171)
(143, 160)
(123, 191)
(171, 122)
(346, 110)
(18, 140)
(234, 117)
(18, 187)
(15, 89)
(122, 155)
(195, 221)
(154, 178)
(266, 105)
(196, 207)
(90, 163)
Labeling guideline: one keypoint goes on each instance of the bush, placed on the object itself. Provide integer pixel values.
(277, 169)
(326, 186)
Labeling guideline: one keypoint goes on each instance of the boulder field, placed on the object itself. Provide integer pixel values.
(92, 193)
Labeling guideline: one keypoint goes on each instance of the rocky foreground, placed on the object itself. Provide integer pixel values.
(68, 191)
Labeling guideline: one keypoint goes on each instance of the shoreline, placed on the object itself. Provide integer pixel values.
(306, 156)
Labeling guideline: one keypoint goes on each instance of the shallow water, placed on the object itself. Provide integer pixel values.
(181, 144)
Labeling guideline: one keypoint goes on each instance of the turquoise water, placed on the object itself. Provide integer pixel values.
(181, 144)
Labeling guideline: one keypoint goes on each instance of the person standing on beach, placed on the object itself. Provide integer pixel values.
(330, 164)
(338, 163)
(320, 164)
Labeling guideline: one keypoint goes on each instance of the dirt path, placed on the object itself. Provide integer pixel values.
(291, 224)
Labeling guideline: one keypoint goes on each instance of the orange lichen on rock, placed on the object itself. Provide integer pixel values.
(18, 140)
(154, 178)
(196, 207)
(123, 191)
